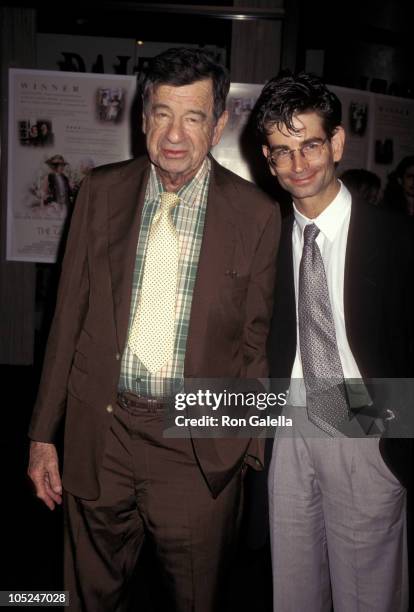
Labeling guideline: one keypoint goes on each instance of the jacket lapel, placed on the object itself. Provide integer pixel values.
(125, 203)
(282, 339)
(216, 259)
(361, 275)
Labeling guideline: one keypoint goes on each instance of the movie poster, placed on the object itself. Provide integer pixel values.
(234, 151)
(393, 137)
(61, 125)
(357, 119)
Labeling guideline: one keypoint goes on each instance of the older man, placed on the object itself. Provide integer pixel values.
(168, 274)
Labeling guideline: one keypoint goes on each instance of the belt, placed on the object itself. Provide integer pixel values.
(138, 403)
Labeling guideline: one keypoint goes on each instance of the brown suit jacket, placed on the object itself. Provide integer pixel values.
(229, 322)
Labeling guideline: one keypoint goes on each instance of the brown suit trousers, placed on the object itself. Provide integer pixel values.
(150, 486)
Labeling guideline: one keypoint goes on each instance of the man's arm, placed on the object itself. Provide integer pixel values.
(51, 400)
(259, 307)
(71, 306)
(259, 299)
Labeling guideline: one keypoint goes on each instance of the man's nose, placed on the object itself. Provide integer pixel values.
(175, 131)
(299, 163)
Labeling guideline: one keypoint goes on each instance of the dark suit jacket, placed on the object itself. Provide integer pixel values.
(378, 303)
(229, 323)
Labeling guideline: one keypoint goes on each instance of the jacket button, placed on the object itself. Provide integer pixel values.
(109, 408)
(118, 356)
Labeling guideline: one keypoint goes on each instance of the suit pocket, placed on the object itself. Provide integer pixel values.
(78, 379)
(384, 462)
(386, 471)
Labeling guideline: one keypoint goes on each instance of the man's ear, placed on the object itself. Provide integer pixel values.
(144, 122)
(266, 152)
(338, 143)
(219, 127)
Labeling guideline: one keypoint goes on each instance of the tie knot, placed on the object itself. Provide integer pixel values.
(309, 234)
(169, 199)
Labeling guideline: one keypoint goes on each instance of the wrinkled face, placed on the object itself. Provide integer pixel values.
(407, 182)
(306, 180)
(180, 128)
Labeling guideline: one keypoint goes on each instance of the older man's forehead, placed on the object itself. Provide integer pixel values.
(202, 89)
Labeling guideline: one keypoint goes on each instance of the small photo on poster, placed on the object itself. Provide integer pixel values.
(110, 104)
(35, 132)
(358, 118)
(54, 187)
(52, 191)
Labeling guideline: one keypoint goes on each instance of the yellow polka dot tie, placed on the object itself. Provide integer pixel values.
(152, 333)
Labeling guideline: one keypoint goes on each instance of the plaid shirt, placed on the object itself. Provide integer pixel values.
(188, 218)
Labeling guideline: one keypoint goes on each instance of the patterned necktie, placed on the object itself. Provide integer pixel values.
(322, 370)
(152, 333)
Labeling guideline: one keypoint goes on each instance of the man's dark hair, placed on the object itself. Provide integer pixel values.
(361, 183)
(288, 95)
(180, 66)
(403, 166)
(358, 179)
(394, 197)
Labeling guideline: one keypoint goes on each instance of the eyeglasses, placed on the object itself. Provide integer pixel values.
(311, 151)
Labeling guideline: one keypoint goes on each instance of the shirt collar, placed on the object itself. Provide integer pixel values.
(330, 219)
(188, 193)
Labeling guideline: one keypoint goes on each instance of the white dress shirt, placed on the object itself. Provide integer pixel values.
(333, 224)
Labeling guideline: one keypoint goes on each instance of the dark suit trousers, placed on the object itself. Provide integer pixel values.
(151, 488)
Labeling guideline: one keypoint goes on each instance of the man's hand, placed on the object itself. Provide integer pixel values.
(44, 473)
